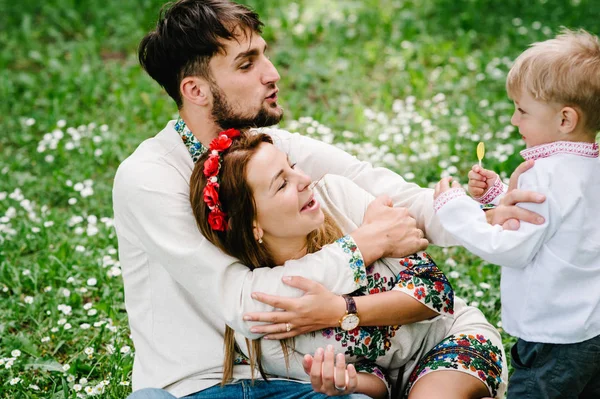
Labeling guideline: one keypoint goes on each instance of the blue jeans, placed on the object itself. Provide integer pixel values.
(280, 389)
(555, 371)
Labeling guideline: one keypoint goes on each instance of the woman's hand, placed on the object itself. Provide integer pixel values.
(300, 315)
(508, 214)
(329, 378)
(444, 185)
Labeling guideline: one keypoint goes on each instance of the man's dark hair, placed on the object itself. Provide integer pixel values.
(188, 34)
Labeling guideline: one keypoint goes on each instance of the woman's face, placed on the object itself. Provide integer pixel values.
(285, 205)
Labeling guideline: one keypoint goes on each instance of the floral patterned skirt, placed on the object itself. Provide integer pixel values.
(472, 354)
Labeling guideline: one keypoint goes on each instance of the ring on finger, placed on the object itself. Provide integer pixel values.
(340, 389)
(288, 327)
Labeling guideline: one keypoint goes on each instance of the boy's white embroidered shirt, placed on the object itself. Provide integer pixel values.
(551, 272)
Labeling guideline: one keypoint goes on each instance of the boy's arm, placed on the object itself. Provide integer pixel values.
(463, 218)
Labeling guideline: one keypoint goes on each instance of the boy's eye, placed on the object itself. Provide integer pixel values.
(521, 110)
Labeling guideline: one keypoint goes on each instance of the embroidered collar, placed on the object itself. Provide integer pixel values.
(588, 150)
(195, 147)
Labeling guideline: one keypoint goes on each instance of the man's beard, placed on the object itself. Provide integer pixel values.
(226, 118)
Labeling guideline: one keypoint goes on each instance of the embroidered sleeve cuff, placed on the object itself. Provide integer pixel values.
(372, 368)
(492, 193)
(448, 196)
(355, 260)
(425, 282)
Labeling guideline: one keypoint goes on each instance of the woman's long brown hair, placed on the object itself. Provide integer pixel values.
(237, 201)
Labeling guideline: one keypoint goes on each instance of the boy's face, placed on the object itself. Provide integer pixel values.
(244, 92)
(538, 122)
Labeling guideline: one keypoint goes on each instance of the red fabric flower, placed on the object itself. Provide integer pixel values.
(231, 133)
(439, 286)
(216, 220)
(221, 143)
(419, 293)
(211, 166)
(211, 195)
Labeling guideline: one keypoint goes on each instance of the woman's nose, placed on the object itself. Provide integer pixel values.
(303, 181)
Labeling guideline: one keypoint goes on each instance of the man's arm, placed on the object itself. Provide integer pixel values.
(317, 159)
(151, 204)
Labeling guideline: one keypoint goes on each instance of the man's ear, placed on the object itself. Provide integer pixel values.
(195, 90)
(569, 118)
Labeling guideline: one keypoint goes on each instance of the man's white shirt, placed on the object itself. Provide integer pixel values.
(180, 290)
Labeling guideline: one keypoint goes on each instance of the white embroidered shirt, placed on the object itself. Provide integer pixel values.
(551, 272)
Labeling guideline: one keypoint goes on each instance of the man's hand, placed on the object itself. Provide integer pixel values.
(300, 315)
(480, 180)
(388, 232)
(508, 214)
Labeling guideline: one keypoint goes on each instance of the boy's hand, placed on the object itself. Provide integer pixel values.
(444, 185)
(480, 180)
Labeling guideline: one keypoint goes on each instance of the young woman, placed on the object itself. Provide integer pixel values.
(253, 204)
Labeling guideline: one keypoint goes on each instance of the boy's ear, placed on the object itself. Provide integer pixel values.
(569, 118)
(195, 90)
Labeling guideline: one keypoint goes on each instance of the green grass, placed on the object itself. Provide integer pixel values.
(412, 85)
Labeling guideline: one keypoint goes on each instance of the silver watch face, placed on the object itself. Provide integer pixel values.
(350, 322)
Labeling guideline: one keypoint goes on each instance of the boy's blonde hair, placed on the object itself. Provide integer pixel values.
(565, 70)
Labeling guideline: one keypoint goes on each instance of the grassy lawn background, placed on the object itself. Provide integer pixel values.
(411, 85)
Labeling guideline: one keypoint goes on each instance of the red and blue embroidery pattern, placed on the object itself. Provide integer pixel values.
(475, 355)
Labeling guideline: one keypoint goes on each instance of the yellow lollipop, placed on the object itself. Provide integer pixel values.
(480, 152)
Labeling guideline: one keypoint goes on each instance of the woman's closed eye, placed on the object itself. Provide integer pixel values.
(283, 185)
(285, 182)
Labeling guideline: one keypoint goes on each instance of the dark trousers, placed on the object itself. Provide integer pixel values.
(555, 371)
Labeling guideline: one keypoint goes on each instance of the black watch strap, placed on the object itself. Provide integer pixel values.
(350, 304)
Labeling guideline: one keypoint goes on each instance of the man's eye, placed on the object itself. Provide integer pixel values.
(520, 110)
(283, 185)
(246, 65)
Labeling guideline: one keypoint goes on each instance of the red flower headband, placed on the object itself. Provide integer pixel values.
(217, 219)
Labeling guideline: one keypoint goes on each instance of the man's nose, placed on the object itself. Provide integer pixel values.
(270, 74)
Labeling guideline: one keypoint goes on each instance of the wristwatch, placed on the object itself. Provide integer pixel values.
(350, 320)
